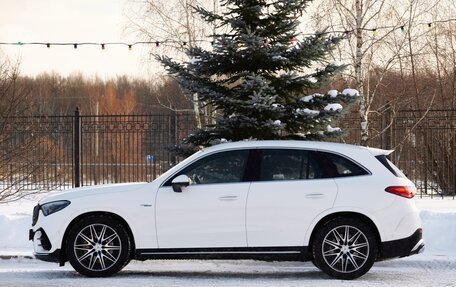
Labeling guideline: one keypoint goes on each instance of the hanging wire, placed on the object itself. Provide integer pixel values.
(184, 44)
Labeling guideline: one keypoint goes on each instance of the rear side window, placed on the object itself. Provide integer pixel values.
(287, 164)
(390, 166)
(335, 165)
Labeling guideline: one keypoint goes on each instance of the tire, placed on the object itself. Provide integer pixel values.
(98, 246)
(345, 248)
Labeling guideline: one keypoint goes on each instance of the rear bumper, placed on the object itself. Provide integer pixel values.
(411, 245)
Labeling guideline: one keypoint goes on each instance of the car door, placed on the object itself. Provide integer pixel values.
(289, 194)
(210, 212)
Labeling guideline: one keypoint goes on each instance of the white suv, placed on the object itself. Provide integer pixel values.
(340, 206)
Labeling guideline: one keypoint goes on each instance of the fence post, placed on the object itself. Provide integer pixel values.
(389, 131)
(173, 133)
(76, 149)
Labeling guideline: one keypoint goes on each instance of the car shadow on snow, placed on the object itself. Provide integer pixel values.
(242, 270)
(209, 274)
(310, 275)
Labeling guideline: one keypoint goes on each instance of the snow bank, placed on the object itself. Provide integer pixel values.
(14, 232)
(438, 217)
(439, 232)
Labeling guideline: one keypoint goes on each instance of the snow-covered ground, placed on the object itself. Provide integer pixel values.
(435, 267)
(414, 271)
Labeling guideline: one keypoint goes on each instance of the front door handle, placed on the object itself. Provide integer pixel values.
(228, 197)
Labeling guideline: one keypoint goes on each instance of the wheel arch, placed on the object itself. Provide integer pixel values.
(345, 214)
(63, 256)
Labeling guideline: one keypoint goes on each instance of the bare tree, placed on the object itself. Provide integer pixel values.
(174, 26)
(441, 41)
(378, 35)
(19, 164)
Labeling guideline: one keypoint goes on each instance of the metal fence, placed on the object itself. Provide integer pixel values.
(61, 152)
(424, 144)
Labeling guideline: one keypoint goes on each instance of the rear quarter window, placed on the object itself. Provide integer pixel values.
(390, 166)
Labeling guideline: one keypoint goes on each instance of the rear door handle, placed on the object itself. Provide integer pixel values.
(314, 195)
(228, 197)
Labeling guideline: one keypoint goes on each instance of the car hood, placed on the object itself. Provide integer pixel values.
(92, 190)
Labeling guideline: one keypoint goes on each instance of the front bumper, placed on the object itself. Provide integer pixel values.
(411, 245)
(49, 257)
(42, 247)
(41, 243)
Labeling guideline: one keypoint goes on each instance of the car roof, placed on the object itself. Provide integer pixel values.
(316, 145)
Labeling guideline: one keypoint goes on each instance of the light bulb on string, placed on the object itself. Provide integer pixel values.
(130, 47)
(75, 46)
(213, 44)
(292, 39)
(402, 29)
(429, 26)
(20, 43)
(266, 43)
(374, 33)
(48, 45)
(157, 44)
(102, 46)
(184, 44)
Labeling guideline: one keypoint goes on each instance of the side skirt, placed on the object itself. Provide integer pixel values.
(254, 253)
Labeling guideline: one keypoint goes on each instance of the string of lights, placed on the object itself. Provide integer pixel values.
(184, 44)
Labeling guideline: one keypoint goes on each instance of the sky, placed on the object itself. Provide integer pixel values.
(71, 21)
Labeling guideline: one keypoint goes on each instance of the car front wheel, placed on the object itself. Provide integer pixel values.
(98, 246)
(345, 248)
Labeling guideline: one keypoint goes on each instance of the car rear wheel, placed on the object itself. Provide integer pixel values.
(345, 248)
(98, 246)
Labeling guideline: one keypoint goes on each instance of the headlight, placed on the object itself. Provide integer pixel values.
(54, 206)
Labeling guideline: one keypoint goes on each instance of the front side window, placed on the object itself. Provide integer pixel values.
(287, 164)
(223, 167)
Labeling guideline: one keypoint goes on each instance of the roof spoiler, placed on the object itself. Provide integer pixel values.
(377, 151)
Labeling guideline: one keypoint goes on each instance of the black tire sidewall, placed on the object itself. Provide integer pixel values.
(124, 257)
(318, 242)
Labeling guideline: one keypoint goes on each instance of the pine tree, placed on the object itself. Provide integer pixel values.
(258, 74)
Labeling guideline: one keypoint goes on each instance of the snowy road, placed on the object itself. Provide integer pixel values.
(420, 270)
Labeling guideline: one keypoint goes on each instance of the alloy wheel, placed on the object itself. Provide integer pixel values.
(97, 247)
(345, 249)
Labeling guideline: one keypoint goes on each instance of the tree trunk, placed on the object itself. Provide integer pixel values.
(363, 108)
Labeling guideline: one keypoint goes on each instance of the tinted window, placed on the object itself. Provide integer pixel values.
(217, 168)
(390, 166)
(287, 164)
(338, 166)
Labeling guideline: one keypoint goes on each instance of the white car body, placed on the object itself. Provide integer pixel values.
(254, 217)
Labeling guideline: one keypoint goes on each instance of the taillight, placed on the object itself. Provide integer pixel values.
(404, 191)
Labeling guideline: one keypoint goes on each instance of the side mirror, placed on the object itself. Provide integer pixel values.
(179, 182)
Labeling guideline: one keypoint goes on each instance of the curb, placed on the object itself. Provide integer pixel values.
(9, 257)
